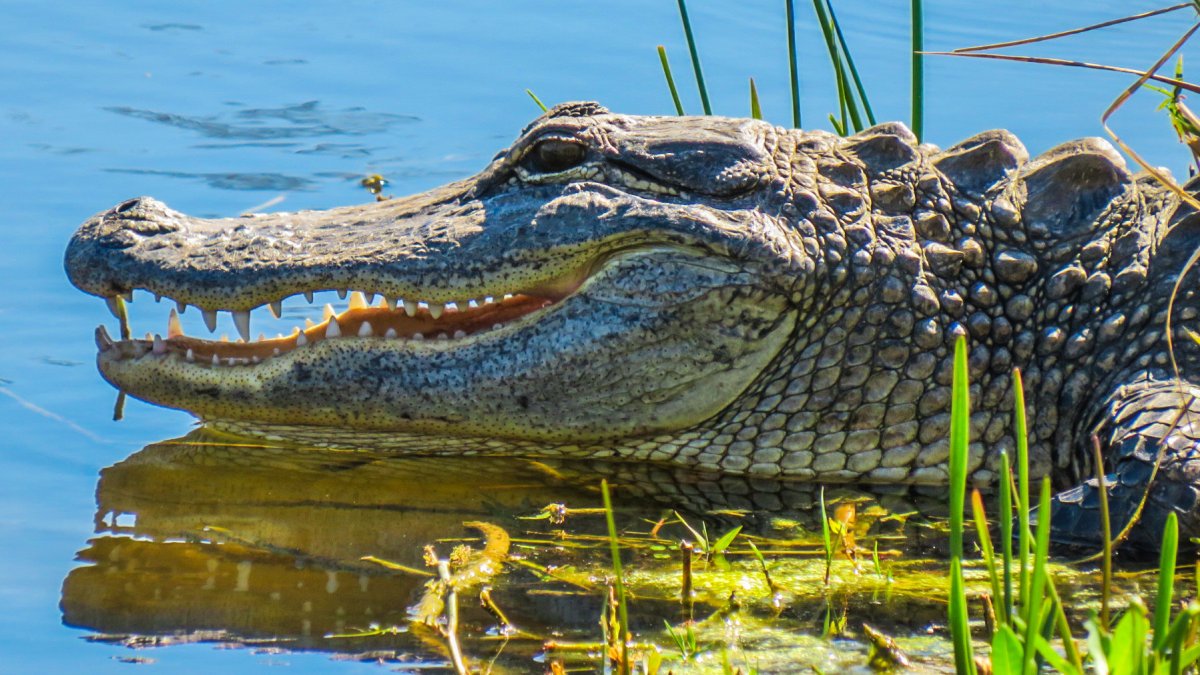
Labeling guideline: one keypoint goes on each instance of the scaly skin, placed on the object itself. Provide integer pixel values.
(723, 294)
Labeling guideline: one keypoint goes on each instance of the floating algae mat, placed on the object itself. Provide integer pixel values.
(504, 564)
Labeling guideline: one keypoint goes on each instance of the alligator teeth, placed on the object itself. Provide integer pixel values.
(276, 308)
(342, 294)
(365, 329)
(460, 334)
(157, 298)
(410, 308)
(190, 356)
(216, 360)
(301, 339)
(392, 303)
(333, 329)
(114, 307)
(358, 301)
(418, 336)
(435, 309)
(308, 296)
(180, 306)
(443, 336)
(103, 341)
(210, 319)
(390, 334)
(242, 321)
(262, 337)
(160, 347)
(308, 323)
(128, 295)
(328, 313)
(174, 327)
(369, 297)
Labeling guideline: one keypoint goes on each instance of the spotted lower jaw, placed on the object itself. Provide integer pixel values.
(398, 322)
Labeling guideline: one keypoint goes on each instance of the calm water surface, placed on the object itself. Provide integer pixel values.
(220, 107)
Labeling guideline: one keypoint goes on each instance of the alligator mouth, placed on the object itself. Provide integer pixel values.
(397, 321)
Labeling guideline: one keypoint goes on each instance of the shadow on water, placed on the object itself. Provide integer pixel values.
(216, 539)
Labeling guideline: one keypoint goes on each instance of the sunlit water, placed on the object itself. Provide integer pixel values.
(220, 107)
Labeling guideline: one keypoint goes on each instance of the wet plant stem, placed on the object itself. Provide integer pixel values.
(686, 593)
(918, 70)
(1106, 535)
(619, 577)
(793, 71)
(666, 66)
(456, 657)
(687, 31)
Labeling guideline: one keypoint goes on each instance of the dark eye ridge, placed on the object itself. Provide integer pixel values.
(554, 155)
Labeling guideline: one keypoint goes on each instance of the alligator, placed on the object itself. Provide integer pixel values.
(712, 293)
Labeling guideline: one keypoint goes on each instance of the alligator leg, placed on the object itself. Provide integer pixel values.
(1150, 441)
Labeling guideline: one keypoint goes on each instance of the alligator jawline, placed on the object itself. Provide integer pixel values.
(397, 323)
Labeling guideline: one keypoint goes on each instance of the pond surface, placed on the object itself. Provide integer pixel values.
(218, 108)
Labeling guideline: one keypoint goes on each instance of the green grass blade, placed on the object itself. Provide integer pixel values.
(960, 429)
(687, 31)
(985, 543)
(793, 69)
(826, 537)
(1006, 548)
(1064, 629)
(755, 108)
(849, 60)
(622, 610)
(918, 70)
(960, 628)
(1166, 580)
(1033, 609)
(835, 60)
(536, 100)
(666, 66)
(1022, 438)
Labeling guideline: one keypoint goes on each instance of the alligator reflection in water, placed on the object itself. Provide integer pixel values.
(208, 538)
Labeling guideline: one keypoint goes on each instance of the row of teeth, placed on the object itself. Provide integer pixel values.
(358, 300)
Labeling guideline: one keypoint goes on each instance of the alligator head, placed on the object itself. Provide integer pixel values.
(605, 277)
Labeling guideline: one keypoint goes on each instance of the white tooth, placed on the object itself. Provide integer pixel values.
(341, 294)
(262, 337)
(276, 351)
(301, 339)
(435, 309)
(508, 296)
(113, 307)
(276, 308)
(365, 329)
(157, 297)
(242, 321)
(210, 319)
(174, 328)
(279, 336)
(180, 306)
(216, 360)
(497, 326)
(329, 313)
(460, 334)
(391, 303)
(443, 336)
(391, 333)
(224, 337)
(357, 301)
(369, 297)
(160, 347)
(488, 300)
(418, 336)
(308, 323)
(472, 303)
(231, 361)
(191, 355)
(410, 308)
(333, 329)
(254, 359)
(149, 337)
(452, 306)
(103, 341)
(308, 297)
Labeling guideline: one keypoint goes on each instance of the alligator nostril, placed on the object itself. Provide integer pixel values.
(125, 206)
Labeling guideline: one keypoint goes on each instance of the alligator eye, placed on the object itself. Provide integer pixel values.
(553, 155)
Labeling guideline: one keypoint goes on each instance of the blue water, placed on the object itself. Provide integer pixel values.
(218, 107)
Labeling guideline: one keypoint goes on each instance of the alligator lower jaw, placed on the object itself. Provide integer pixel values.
(392, 323)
